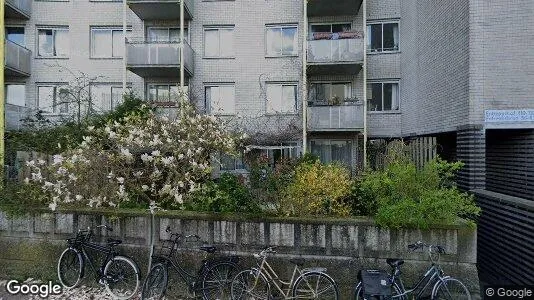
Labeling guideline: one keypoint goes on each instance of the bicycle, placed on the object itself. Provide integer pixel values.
(307, 283)
(212, 280)
(118, 273)
(443, 287)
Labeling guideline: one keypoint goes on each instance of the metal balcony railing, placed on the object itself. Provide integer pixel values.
(141, 53)
(17, 59)
(13, 116)
(19, 9)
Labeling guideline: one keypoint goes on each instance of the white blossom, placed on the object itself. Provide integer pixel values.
(146, 158)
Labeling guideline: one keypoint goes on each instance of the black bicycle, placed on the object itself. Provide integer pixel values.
(432, 285)
(118, 273)
(212, 280)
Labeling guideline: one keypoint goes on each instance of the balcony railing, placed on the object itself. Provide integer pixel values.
(159, 56)
(335, 51)
(18, 9)
(17, 59)
(336, 118)
(161, 9)
(13, 116)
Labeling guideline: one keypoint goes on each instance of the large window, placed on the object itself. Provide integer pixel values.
(53, 42)
(106, 97)
(383, 96)
(219, 42)
(220, 99)
(383, 37)
(166, 34)
(281, 40)
(281, 98)
(50, 100)
(16, 94)
(330, 28)
(329, 93)
(16, 35)
(231, 163)
(333, 151)
(107, 42)
(164, 92)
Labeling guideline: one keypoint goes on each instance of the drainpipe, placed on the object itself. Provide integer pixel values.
(182, 50)
(305, 79)
(2, 97)
(124, 65)
(364, 3)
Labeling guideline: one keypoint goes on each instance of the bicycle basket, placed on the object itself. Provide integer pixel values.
(168, 247)
(375, 284)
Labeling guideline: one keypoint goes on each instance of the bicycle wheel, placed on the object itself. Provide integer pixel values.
(122, 277)
(395, 292)
(250, 285)
(217, 281)
(451, 288)
(315, 285)
(70, 268)
(155, 283)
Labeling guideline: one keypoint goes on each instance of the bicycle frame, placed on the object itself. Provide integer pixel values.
(270, 275)
(187, 277)
(432, 276)
(107, 250)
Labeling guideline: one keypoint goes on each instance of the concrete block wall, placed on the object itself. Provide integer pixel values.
(343, 246)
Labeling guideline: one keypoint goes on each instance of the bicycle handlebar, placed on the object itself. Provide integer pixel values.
(267, 250)
(420, 245)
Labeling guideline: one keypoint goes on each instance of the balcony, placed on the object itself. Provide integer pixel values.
(18, 9)
(335, 56)
(161, 9)
(158, 59)
(17, 60)
(13, 116)
(321, 8)
(345, 117)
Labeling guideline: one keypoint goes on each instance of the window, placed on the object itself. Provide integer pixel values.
(16, 35)
(331, 28)
(219, 42)
(383, 96)
(16, 94)
(330, 151)
(107, 42)
(53, 42)
(281, 40)
(105, 97)
(281, 98)
(220, 99)
(274, 154)
(331, 93)
(50, 100)
(231, 163)
(166, 34)
(167, 92)
(383, 37)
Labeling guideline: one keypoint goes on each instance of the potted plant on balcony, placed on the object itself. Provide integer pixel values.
(335, 100)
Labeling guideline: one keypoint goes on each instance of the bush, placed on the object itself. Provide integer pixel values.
(402, 196)
(317, 189)
(229, 194)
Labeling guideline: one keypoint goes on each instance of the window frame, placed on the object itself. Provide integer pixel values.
(54, 28)
(281, 27)
(186, 27)
(6, 84)
(351, 147)
(382, 82)
(282, 84)
(169, 85)
(382, 23)
(348, 83)
(105, 28)
(207, 104)
(218, 28)
(55, 85)
(310, 35)
(110, 85)
(23, 35)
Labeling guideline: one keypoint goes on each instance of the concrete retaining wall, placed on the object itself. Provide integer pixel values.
(30, 246)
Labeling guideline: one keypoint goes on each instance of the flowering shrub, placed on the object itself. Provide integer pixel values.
(317, 189)
(147, 159)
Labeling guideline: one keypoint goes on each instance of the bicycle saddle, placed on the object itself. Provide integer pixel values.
(209, 249)
(394, 262)
(297, 261)
(114, 242)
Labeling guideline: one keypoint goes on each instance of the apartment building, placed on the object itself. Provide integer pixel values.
(323, 76)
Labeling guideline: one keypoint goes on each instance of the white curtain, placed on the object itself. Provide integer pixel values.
(61, 39)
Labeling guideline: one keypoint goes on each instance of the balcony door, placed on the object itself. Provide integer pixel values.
(329, 28)
(329, 93)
